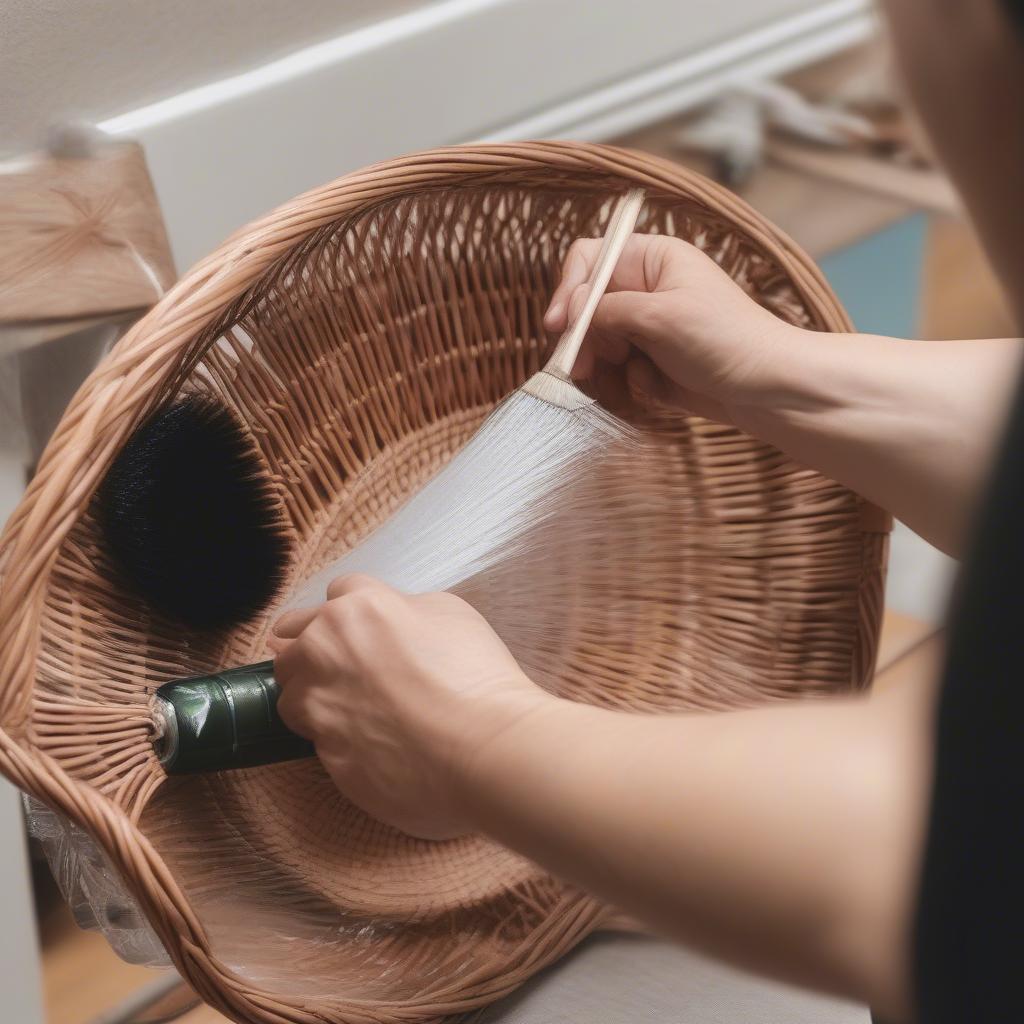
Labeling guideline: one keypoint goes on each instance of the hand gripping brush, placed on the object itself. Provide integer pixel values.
(192, 522)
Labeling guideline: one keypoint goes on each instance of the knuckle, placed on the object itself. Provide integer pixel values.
(578, 247)
(354, 611)
(362, 580)
(450, 601)
(579, 251)
(673, 252)
(578, 298)
(349, 581)
(378, 604)
(335, 612)
(646, 313)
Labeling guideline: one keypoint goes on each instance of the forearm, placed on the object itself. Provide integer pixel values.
(780, 838)
(908, 424)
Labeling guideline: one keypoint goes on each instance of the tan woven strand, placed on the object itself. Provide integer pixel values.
(361, 333)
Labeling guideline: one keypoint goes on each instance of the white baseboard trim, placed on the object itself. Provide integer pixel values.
(691, 80)
(320, 58)
(454, 71)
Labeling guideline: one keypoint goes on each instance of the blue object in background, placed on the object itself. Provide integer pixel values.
(878, 280)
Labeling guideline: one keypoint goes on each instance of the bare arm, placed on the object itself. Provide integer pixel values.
(908, 424)
(784, 839)
(911, 425)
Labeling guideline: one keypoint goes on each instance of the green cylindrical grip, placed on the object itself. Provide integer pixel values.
(225, 720)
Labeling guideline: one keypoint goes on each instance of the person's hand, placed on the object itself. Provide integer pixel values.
(398, 694)
(685, 332)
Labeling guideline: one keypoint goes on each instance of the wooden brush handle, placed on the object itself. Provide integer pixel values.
(620, 227)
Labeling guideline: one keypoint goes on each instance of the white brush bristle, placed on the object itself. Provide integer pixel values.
(523, 467)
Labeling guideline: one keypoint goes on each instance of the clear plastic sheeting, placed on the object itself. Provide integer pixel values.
(517, 474)
(95, 892)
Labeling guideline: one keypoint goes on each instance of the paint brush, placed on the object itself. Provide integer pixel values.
(521, 466)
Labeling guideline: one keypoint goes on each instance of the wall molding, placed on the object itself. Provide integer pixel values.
(456, 71)
(691, 80)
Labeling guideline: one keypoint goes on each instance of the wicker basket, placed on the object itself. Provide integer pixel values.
(361, 333)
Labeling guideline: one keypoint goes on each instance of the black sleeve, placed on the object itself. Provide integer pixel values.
(969, 927)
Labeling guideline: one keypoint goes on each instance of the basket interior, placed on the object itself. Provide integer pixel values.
(727, 576)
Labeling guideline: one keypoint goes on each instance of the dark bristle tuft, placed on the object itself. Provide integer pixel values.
(188, 515)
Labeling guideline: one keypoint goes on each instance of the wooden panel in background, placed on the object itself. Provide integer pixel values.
(961, 297)
(81, 236)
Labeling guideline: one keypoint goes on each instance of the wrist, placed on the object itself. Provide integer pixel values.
(504, 734)
(779, 380)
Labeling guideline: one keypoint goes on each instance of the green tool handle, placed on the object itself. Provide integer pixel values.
(225, 720)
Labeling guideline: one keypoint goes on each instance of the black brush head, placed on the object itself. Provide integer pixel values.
(190, 518)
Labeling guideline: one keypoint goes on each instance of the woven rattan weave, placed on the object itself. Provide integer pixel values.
(361, 332)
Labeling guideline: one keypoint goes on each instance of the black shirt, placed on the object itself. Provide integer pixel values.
(969, 927)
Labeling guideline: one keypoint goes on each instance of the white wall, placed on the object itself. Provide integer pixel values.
(454, 71)
(242, 104)
(69, 59)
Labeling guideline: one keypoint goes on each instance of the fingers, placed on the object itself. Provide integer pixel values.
(278, 645)
(312, 656)
(292, 624)
(294, 668)
(577, 300)
(630, 274)
(646, 381)
(351, 583)
(616, 330)
(577, 267)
